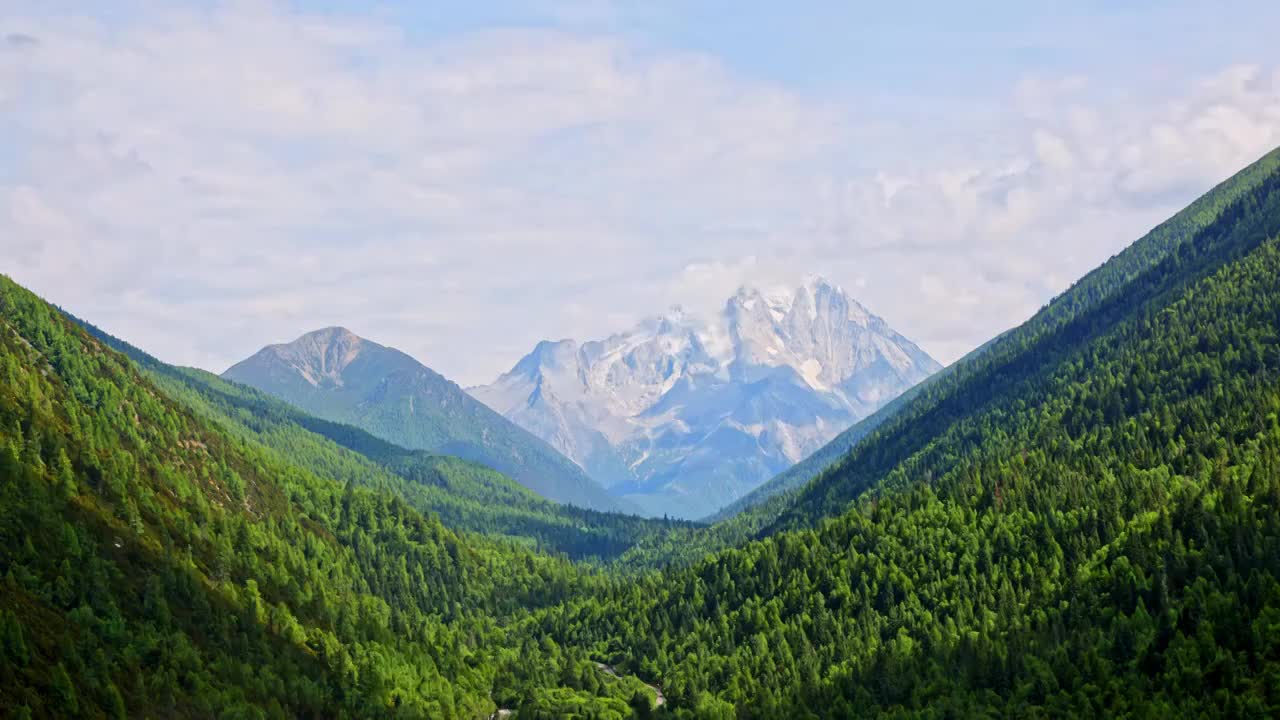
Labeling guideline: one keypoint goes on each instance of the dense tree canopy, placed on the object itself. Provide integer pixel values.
(155, 562)
(1083, 519)
(465, 496)
(1100, 537)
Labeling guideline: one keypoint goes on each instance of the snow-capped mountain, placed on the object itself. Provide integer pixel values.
(682, 415)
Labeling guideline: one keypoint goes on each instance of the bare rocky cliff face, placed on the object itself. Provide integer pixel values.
(682, 415)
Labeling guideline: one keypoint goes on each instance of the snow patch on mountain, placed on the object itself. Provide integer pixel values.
(683, 414)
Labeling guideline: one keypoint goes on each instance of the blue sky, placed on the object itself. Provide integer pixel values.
(947, 49)
(463, 179)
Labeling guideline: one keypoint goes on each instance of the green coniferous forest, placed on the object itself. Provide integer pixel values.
(1082, 518)
(465, 495)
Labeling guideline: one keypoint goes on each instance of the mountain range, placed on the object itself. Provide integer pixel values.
(682, 414)
(336, 375)
(1080, 518)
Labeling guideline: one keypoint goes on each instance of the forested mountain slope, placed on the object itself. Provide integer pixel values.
(802, 472)
(1189, 246)
(466, 496)
(339, 376)
(1019, 344)
(1081, 521)
(1099, 535)
(153, 564)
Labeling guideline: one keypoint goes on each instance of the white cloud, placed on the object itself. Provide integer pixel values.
(1052, 150)
(205, 182)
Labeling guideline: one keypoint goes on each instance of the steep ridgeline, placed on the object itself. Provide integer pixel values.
(682, 416)
(155, 564)
(466, 496)
(1083, 522)
(795, 477)
(993, 378)
(1019, 348)
(338, 376)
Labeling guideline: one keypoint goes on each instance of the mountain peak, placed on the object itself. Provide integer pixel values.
(333, 332)
(547, 354)
(341, 377)
(781, 299)
(663, 411)
(815, 281)
(676, 313)
(318, 341)
(320, 356)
